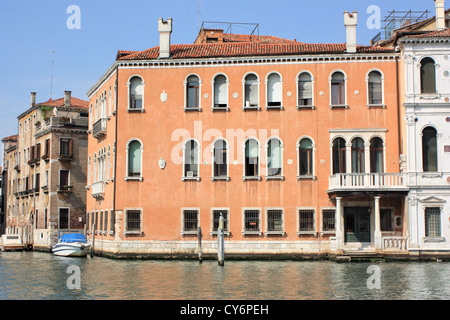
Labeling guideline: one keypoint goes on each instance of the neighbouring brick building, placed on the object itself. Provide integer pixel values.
(46, 170)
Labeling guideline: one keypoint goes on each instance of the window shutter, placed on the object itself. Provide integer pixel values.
(70, 146)
(274, 88)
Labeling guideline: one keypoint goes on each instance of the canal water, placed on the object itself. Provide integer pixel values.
(42, 276)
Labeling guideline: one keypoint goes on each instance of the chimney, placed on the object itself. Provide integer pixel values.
(165, 29)
(440, 14)
(33, 99)
(67, 98)
(351, 21)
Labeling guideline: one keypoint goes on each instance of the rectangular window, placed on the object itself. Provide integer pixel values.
(216, 217)
(63, 218)
(251, 220)
(101, 221)
(306, 220)
(65, 147)
(432, 222)
(63, 178)
(190, 220)
(275, 220)
(133, 221)
(328, 220)
(37, 183)
(47, 149)
(45, 218)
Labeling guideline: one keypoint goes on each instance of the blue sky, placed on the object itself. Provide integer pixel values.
(31, 29)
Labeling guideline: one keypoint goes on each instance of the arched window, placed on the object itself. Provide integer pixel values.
(305, 93)
(251, 158)
(338, 88)
(220, 92)
(429, 150)
(274, 157)
(305, 156)
(191, 159)
(193, 92)
(134, 159)
(358, 155)
(251, 91)
(274, 90)
(220, 159)
(136, 93)
(428, 75)
(339, 158)
(375, 89)
(376, 155)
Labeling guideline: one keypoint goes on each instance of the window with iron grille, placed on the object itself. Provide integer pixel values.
(251, 220)
(328, 220)
(275, 220)
(133, 220)
(306, 220)
(216, 217)
(432, 222)
(190, 220)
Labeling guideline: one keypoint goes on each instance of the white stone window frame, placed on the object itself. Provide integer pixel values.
(258, 82)
(129, 109)
(249, 233)
(266, 222)
(307, 232)
(306, 177)
(330, 78)
(213, 177)
(266, 82)
(127, 176)
(297, 81)
(184, 176)
(185, 84)
(188, 233)
(257, 177)
(266, 152)
(213, 95)
(348, 135)
(383, 100)
(419, 148)
(125, 220)
(322, 209)
(227, 230)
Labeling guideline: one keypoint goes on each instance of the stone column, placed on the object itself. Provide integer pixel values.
(338, 217)
(378, 244)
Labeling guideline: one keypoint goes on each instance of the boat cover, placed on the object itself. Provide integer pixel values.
(72, 237)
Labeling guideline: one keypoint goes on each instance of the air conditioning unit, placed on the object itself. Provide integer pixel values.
(190, 174)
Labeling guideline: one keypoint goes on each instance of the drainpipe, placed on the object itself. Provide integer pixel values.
(115, 145)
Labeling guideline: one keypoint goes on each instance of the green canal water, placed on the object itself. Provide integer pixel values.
(42, 276)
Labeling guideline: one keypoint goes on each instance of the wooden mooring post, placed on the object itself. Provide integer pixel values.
(93, 238)
(200, 254)
(220, 243)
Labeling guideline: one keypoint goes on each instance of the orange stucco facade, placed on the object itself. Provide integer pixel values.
(163, 126)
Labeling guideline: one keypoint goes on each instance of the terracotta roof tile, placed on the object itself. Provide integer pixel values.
(74, 103)
(247, 49)
(10, 138)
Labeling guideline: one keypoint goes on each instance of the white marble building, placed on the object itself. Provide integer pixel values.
(426, 136)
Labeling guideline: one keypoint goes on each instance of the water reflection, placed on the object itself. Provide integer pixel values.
(34, 275)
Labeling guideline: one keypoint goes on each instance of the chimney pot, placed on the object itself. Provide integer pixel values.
(440, 14)
(351, 21)
(165, 30)
(67, 98)
(33, 99)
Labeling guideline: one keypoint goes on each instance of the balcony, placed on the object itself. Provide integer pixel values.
(99, 128)
(98, 190)
(368, 182)
(63, 188)
(65, 156)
